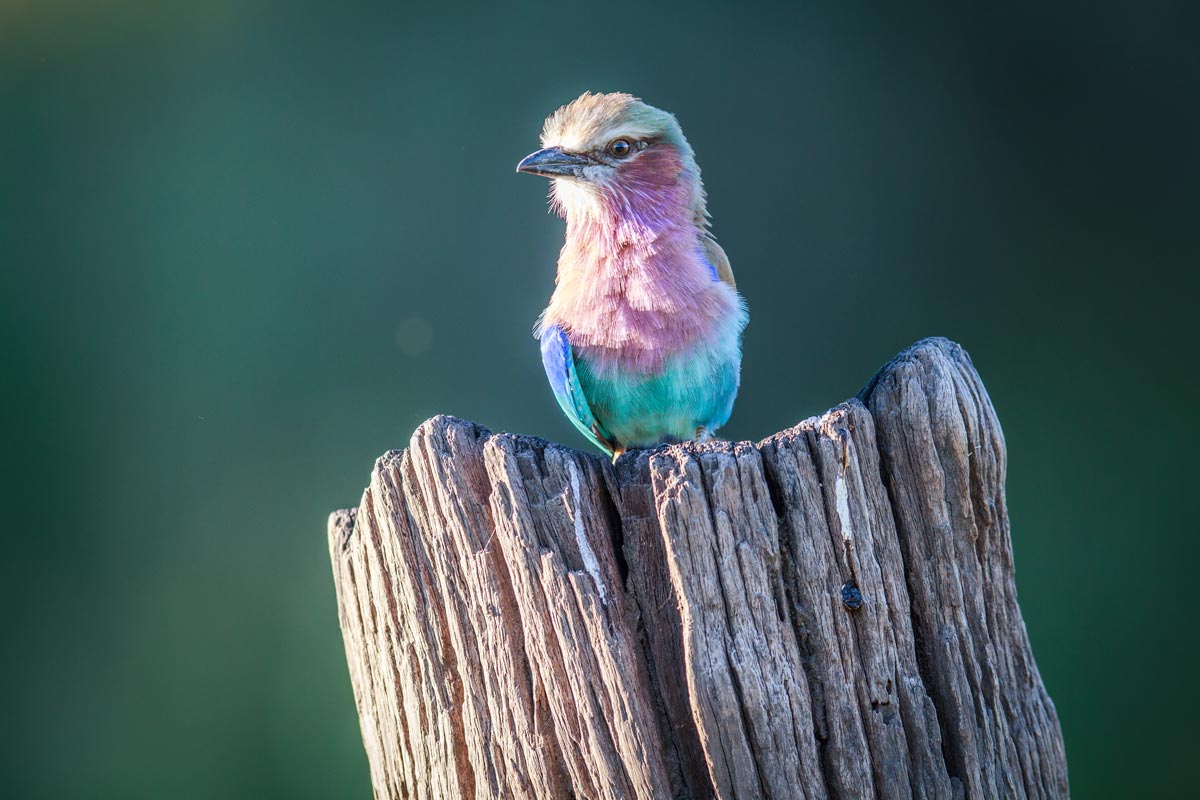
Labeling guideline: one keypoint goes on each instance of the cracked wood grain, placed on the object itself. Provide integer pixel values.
(523, 620)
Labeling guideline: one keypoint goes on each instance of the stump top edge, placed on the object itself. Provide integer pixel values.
(929, 349)
(925, 351)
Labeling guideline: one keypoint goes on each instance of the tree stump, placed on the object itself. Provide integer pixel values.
(829, 613)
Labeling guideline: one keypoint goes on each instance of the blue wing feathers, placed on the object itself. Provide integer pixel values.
(559, 363)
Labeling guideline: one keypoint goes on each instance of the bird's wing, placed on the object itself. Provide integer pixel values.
(564, 381)
(720, 261)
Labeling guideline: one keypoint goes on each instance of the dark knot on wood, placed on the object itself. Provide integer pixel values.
(827, 613)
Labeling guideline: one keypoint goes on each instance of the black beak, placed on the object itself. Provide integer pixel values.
(554, 163)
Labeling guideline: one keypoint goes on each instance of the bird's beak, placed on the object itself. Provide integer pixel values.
(554, 163)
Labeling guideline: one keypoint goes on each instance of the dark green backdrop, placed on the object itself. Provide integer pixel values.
(248, 246)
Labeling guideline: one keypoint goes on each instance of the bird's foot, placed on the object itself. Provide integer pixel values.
(703, 434)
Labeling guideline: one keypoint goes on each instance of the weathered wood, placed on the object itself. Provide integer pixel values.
(523, 620)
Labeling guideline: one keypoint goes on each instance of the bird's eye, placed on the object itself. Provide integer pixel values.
(619, 148)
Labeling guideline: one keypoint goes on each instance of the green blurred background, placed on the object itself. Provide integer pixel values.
(248, 246)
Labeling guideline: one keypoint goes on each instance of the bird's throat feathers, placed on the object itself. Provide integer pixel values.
(635, 285)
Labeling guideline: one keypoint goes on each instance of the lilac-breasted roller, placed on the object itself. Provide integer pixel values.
(642, 337)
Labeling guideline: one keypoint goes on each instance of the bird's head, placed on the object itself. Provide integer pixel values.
(612, 152)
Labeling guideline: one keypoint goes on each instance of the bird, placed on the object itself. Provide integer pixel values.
(642, 337)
